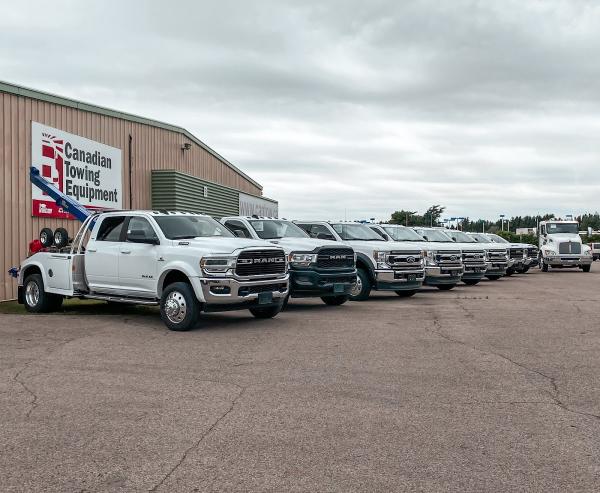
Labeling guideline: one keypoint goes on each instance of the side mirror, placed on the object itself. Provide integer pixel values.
(240, 233)
(325, 236)
(385, 236)
(139, 236)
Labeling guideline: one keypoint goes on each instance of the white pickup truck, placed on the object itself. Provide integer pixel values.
(186, 263)
(380, 265)
(561, 246)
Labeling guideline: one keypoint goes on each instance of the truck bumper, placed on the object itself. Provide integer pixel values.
(474, 271)
(568, 261)
(398, 280)
(307, 283)
(530, 262)
(496, 268)
(232, 294)
(435, 276)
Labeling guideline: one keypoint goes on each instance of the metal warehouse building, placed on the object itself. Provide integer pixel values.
(105, 159)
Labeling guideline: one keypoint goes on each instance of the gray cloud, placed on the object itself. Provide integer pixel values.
(347, 108)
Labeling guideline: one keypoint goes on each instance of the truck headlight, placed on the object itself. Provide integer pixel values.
(430, 259)
(548, 253)
(217, 265)
(302, 259)
(381, 259)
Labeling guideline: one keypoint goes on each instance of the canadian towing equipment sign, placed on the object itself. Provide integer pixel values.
(86, 170)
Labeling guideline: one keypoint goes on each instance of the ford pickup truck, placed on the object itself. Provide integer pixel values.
(317, 267)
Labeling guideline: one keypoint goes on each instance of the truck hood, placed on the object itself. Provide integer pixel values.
(304, 244)
(559, 237)
(471, 247)
(446, 246)
(216, 245)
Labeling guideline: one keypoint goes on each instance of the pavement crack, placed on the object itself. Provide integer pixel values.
(554, 393)
(34, 398)
(198, 442)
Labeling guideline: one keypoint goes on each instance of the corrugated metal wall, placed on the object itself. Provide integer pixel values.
(152, 148)
(175, 191)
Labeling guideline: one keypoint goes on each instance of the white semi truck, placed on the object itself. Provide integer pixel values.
(560, 246)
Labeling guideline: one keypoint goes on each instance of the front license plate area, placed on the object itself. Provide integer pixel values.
(339, 287)
(411, 277)
(265, 298)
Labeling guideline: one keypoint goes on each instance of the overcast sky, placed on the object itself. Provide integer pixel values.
(346, 108)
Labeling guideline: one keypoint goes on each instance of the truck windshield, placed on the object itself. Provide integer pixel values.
(571, 228)
(497, 239)
(273, 229)
(460, 236)
(356, 232)
(187, 227)
(400, 233)
(434, 235)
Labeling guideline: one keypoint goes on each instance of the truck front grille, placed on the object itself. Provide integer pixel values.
(516, 253)
(532, 252)
(474, 258)
(331, 258)
(405, 260)
(567, 247)
(260, 263)
(448, 258)
(497, 255)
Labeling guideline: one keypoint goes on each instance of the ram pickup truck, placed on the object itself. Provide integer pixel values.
(498, 261)
(435, 274)
(380, 265)
(185, 263)
(317, 267)
(560, 246)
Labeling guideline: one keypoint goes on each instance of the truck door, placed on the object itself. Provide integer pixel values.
(102, 256)
(59, 271)
(138, 257)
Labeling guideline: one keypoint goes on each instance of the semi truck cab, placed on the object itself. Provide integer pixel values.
(560, 246)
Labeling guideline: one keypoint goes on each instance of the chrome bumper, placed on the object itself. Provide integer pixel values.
(226, 291)
(568, 260)
(394, 276)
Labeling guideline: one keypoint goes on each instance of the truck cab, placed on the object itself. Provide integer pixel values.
(435, 266)
(186, 263)
(318, 267)
(381, 265)
(560, 246)
(498, 260)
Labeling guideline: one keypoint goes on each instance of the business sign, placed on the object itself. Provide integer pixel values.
(88, 171)
(252, 205)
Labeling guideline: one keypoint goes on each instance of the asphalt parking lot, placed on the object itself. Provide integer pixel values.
(486, 388)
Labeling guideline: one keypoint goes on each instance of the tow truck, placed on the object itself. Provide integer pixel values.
(184, 262)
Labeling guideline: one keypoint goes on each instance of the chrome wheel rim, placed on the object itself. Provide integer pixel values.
(44, 238)
(357, 288)
(57, 238)
(32, 293)
(175, 307)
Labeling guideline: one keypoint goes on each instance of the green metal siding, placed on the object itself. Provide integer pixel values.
(176, 191)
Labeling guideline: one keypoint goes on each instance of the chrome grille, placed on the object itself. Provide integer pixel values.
(516, 253)
(260, 262)
(532, 252)
(405, 260)
(474, 258)
(330, 258)
(497, 255)
(567, 247)
(449, 257)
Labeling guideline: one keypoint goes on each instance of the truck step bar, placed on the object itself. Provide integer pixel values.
(120, 299)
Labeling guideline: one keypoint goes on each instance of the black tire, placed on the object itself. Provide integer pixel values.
(493, 278)
(335, 300)
(363, 286)
(36, 299)
(267, 311)
(179, 308)
(407, 293)
(286, 300)
(525, 270)
(61, 237)
(46, 237)
(446, 287)
(471, 282)
(510, 271)
(543, 266)
(586, 268)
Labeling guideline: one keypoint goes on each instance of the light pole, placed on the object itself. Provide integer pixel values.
(502, 219)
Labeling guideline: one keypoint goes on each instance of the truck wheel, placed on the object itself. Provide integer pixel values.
(471, 282)
(61, 237)
(493, 278)
(286, 300)
(543, 266)
(446, 287)
(586, 268)
(524, 270)
(36, 299)
(362, 288)
(266, 312)
(179, 308)
(46, 237)
(335, 300)
(510, 271)
(406, 293)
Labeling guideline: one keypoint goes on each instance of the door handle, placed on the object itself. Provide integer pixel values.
(126, 251)
(91, 251)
